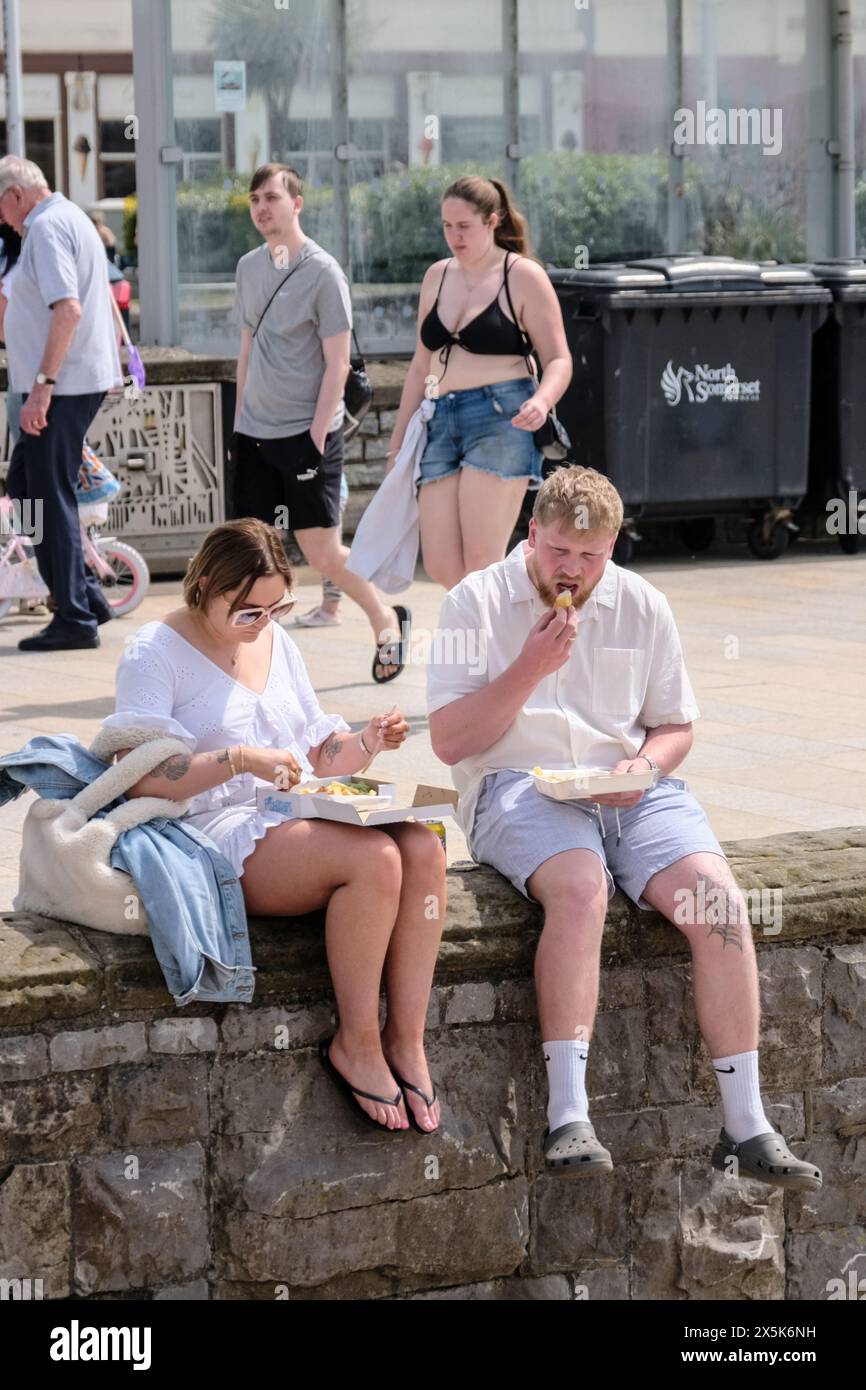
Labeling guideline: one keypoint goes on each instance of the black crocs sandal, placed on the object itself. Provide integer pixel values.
(394, 653)
(428, 1101)
(767, 1158)
(350, 1091)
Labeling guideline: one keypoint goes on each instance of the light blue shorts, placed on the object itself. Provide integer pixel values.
(517, 829)
(473, 429)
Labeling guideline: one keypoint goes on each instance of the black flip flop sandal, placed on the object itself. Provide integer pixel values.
(350, 1091)
(396, 653)
(428, 1101)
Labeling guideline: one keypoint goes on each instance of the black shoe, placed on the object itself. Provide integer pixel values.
(105, 616)
(47, 642)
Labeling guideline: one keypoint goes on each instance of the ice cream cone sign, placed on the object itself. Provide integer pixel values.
(82, 147)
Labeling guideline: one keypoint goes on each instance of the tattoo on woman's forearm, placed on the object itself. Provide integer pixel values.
(331, 748)
(174, 767)
(223, 756)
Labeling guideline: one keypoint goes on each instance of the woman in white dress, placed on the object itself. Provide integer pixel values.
(229, 682)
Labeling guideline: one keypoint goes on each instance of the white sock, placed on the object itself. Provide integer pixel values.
(741, 1096)
(566, 1079)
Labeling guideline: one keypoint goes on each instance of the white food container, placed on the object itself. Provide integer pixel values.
(585, 783)
(394, 802)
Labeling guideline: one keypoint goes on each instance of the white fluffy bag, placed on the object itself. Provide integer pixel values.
(65, 869)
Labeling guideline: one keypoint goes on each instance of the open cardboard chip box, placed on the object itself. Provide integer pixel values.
(583, 783)
(396, 801)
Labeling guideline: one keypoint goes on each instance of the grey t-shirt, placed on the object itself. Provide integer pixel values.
(286, 362)
(62, 257)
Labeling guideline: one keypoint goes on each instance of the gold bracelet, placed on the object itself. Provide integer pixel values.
(243, 760)
(363, 744)
(231, 762)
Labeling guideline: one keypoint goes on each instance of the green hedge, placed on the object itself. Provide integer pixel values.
(615, 205)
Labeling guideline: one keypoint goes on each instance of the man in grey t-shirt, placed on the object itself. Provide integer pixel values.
(295, 314)
(62, 351)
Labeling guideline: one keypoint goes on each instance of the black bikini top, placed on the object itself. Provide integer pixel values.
(491, 331)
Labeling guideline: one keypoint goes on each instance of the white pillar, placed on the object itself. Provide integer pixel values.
(845, 153)
(82, 139)
(155, 166)
(819, 161)
(12, 51)
(425, 141)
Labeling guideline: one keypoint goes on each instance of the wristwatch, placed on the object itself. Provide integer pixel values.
(43, 380)
(653, 764)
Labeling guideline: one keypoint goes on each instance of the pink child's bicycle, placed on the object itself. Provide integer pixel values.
(121, 571)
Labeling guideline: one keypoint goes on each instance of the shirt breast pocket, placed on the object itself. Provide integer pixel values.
(616, 675)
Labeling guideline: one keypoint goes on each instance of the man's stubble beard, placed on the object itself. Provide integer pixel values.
(547, 593)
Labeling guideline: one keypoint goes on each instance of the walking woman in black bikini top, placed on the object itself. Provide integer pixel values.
(481, 314)
(491, 332)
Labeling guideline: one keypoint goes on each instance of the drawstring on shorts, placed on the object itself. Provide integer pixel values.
(597, 808)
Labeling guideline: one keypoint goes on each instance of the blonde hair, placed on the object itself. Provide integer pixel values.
(580, 497)
(492, 195)
(234, 556)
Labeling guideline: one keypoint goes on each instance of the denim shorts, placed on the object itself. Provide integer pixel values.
(472, 429)
(517, 829)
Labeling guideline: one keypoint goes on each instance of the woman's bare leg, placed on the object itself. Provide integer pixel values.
(488, 509)
(441, 543)
(299, 867)
(323, 549)
(411, 960)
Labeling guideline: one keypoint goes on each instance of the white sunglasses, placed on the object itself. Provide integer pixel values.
(245, 617)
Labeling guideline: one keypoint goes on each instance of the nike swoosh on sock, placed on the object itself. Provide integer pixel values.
(725, 1069)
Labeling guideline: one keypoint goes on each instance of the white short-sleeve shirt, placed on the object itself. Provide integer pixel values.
(164, 682)
(625, 674)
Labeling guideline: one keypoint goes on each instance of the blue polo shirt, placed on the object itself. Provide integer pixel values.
(62, 257)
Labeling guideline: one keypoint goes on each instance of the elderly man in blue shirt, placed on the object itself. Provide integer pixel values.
(62, 354)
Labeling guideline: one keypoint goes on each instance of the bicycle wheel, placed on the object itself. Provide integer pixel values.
(130, 577)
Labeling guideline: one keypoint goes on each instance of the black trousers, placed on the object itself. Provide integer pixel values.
(43, 473)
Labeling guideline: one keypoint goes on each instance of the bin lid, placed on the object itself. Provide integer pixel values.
(693, 270)
(610, 275)
(783, 273)
(693, 273)
(838, 270)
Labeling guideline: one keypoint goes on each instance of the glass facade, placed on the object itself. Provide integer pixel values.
(626, 128)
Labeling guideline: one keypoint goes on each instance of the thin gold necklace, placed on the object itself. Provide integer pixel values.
(234, 658)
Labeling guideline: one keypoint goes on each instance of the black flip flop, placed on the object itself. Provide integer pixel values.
(350, 1091)
(410, 1114)
(398, 651)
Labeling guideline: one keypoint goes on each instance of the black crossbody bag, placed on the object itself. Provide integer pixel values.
(552, 438)
(358, 392)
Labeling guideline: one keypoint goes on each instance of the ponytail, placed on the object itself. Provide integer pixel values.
(492, 195)
(512, 231)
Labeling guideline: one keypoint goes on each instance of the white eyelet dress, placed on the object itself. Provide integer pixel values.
(164, 682)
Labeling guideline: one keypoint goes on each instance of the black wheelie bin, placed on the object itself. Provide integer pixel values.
(691, 388)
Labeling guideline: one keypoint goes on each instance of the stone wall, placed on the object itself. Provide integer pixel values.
(151, 1152)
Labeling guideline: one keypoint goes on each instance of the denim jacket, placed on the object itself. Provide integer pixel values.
(192, 896)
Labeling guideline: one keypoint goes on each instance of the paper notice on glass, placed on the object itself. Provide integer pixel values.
(230, 84)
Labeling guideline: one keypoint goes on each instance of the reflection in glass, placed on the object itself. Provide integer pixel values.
(427, 89)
